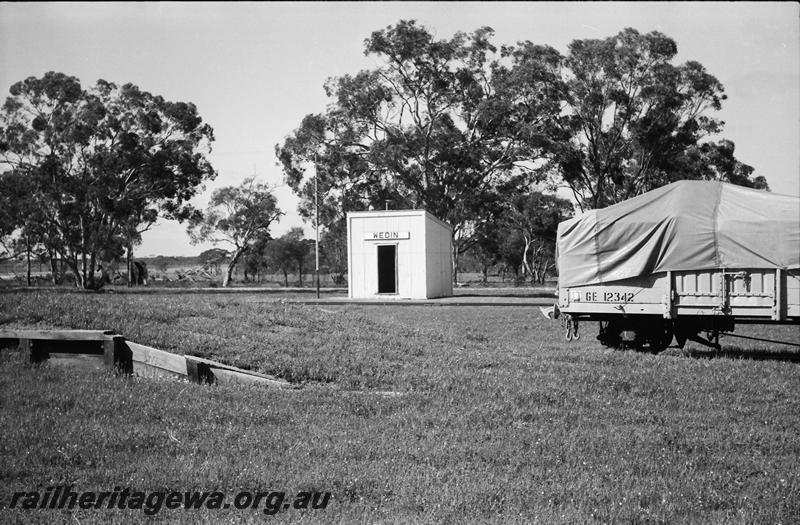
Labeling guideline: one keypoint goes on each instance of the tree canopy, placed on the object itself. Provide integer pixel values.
(461, 128)
(440, 125)
(457, 126)
(635, 121)
(100, 165)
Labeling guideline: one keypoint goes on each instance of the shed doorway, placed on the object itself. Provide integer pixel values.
(387, 268)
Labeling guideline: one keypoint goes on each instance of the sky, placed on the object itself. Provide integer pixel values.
(255, 69)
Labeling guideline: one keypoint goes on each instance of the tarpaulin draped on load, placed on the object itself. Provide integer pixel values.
(687, 225)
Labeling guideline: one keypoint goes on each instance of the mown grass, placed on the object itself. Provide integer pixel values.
(499, 420)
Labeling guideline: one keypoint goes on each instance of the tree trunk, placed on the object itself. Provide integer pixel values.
(129, 261)
(92, 266)
(76, 270)
(231, 265)
(526, 268)
(28, 258)
(543, 275)
(285, 279)
(53, 268)
(90, 272)
(83, 255)
(455, 263)
(227, 279)
(539, 264)
(84, 269)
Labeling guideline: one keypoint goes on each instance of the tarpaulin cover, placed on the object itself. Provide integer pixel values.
(687, 225)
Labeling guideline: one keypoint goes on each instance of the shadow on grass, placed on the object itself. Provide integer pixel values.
(791, 356)
(548, 295)
(8, 344)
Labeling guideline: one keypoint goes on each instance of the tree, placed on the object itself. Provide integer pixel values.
(37, 132)
(101, 164)
(256, 258)
(297, 249)
(288, 252)
(486, 249)
(236, 215)
(153, 144)
(162, 263)
(634, 121)
(534, 217)
(23, 227)
(278, 258)
(213, 258)
(333, 250)
(13, 196)
(449, 125)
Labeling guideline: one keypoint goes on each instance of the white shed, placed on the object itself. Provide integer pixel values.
(400, 254)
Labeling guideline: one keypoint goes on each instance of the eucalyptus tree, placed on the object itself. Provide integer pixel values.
(534, 217)
(152, 151)
(237, 216)
(101, 164)
(449, 125)
(291, 251)
(333, 247)
(636, 121)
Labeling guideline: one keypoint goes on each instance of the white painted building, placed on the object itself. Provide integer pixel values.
(398, 254)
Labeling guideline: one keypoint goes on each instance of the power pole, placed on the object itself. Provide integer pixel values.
(316, 224)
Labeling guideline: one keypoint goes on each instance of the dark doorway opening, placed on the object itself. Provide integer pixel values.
(387, 269)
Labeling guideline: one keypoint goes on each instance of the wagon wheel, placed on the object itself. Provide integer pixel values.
(680, 338)
(653, 338)
(609, 334)
(661, 339)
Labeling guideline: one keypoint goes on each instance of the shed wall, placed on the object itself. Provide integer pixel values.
(439, 265)
(423, 264)
(363, 276)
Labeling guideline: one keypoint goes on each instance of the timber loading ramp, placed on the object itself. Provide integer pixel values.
(335, 296)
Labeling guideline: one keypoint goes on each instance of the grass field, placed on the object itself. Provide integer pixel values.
(407, 414)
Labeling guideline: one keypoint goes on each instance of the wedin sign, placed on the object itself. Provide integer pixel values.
(386, 236)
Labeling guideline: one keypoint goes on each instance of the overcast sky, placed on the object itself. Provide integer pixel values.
(255, 69)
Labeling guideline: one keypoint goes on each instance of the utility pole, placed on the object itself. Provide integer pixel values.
(316, 222)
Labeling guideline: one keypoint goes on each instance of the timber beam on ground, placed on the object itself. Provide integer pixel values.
(104, 348)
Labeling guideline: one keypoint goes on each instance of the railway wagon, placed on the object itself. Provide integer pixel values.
(686, 261)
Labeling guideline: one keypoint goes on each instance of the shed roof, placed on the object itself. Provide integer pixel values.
(398, 213)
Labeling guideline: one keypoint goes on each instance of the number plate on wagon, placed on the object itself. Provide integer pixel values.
(601, 296)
